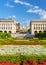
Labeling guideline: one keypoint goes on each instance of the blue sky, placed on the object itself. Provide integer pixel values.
(23, 10)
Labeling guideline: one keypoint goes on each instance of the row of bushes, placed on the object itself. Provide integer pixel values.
(20, 58)
(40, 35)
(5, 35)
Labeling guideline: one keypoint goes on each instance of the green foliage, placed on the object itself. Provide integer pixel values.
(20, 58)
(28, 30)
(40, 35)
(44, 46)
(33, 41)
(4, 35)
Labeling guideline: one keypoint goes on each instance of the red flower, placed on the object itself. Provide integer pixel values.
(29, 62)
(42, 62)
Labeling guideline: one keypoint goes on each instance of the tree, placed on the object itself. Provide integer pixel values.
(4, 35)
(29, 31)
(40, 35)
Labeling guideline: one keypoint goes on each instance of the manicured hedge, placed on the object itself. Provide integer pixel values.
(5, 35)
(40, 35)
(20, 58)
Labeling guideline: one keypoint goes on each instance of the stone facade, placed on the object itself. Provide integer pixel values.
(37, 26)
(7, 25)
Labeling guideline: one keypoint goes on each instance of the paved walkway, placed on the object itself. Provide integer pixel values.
(21, 40)
(22, 35)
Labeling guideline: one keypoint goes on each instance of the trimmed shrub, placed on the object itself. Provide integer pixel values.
(4, 35)
(40, 35)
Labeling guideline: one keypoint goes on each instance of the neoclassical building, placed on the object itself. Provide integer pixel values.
(17, 27)
(7, 25)
(37, 26)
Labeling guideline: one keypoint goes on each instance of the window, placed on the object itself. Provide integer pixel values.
(43, 28)
(2, 24)
(4, 27)
(38, 27)
(38, 24)
(41, 25)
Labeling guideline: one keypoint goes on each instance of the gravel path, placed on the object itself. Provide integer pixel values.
(22, 49)
(22, 40)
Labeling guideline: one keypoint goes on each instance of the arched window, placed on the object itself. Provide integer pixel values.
(0, 31)
(35, 32)
(5, 31)
(40, 31)
(10, 32)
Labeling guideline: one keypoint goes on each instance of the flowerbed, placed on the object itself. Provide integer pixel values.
(22, 49)
(20, 58)
(8, 63)
(32, 62)
(22, 41)
(25, 62)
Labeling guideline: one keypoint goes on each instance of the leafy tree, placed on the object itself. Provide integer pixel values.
(4, 35)
(41, 35)
(28, 30)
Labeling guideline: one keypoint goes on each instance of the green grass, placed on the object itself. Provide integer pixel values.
(44, 46)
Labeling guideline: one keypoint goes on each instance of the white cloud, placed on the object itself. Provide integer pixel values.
(43, 17)
(9, 5)
(23, 3)
(33, 9)
(41, 12)
(36, 7)
(12, 16)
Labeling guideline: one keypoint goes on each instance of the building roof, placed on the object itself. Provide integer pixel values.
(35, 20)
(6, 19)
